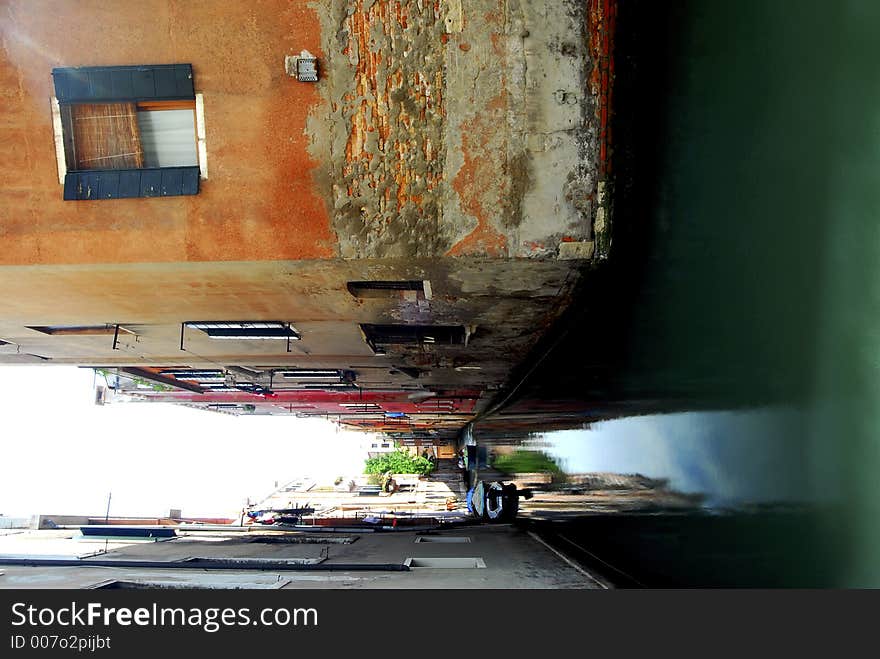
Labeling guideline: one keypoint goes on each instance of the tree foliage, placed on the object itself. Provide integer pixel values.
(527, 462)
(398, 462)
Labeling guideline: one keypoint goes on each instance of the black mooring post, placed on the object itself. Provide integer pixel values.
(115, 337)
(288, 337)
(182, 327)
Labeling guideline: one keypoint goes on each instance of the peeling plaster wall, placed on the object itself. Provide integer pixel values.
(457, 128)
(561, 134)
(438, 127)
(386, 95)
(521, 156)
(262, 200)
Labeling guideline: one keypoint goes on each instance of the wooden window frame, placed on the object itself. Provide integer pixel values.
(143, 85)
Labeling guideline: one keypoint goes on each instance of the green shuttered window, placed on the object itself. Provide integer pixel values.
(102, 110)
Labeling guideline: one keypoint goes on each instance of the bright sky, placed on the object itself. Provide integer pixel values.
(62, 454)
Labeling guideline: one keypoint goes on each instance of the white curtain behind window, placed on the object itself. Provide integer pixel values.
(168, 138)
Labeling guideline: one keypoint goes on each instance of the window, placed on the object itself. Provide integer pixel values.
(111, 136)
(246, 387)
(417, 289)
(128, 131)
(360, 407)
(313, 374)
(168, 133)
(208, 378)
(80, 330)
(437, 405)
(319, 378)
(86, 330)
(238, 330)
(379, 335)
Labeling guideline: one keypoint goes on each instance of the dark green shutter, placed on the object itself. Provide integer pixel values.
(109, 84)
(130, 183)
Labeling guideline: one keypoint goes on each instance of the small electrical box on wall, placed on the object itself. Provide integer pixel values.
(303, 67)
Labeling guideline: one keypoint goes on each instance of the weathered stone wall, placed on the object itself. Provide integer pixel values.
(457, 128)
(387, 113)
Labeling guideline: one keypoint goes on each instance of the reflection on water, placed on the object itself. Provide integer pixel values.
(730, 459)
(708, 499)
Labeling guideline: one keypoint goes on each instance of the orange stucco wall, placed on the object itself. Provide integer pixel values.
(261, 200)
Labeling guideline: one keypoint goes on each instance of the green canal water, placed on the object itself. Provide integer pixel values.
(765, 270)
(743, 288)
